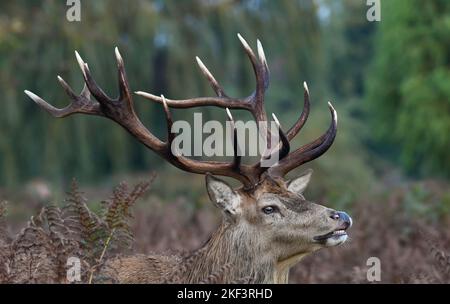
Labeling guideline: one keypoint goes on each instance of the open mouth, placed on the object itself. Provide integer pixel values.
(336, 234)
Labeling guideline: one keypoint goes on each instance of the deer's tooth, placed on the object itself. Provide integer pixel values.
(339, 232)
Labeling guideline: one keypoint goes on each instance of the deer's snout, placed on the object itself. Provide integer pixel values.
(342, 217)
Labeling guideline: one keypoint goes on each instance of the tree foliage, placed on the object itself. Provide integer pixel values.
(409, 84)
(348, 39)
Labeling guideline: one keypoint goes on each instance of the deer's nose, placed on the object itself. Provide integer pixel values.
(342, 216)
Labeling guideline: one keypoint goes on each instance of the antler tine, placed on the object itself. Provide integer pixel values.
(80, 61)
(69, 91)
(256, 68)
(124, 91)
(236, 150)
(282, 149)
(262, 80)
(48, 107)
(94, 88)
(79, 103)
(263, 60)
(293, 131)
(285, 145)
(309, 152)
(214, 84)
(303, 117)
(170, 135)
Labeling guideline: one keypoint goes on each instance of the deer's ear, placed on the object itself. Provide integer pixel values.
(299, 184)
(222, 195)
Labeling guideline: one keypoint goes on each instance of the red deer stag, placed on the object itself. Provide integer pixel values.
(268, 226)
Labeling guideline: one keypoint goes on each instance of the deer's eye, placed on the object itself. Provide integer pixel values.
(269, 209)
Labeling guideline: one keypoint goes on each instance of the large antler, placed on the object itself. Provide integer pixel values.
(121, 111)
(254, 103)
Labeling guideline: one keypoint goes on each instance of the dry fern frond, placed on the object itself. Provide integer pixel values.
(422, 278)
(34, 257)
(442, 260)
(441, 272)
(5, 251)
(84, 225)
(2, 219)
(61, 237)
(41, 250)
(3, 232)
(117, 213)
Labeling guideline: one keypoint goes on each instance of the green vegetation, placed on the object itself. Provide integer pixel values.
(409, 85)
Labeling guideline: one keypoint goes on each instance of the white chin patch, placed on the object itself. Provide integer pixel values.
(336, 240)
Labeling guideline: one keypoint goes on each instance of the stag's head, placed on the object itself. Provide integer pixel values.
(272, 209)
(277, 216)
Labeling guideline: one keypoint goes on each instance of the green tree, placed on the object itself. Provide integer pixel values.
(348, 39)
(408, 97)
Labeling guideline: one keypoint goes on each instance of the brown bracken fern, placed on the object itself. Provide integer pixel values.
(4, 245)
(439, 271)
(39, 253)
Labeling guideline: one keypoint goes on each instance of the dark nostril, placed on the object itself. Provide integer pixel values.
(335, 215)
(345, 218)
(342, 216)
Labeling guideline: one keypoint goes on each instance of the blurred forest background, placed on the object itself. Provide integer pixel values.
(389, 81)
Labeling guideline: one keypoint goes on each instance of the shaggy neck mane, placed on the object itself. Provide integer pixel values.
(231, 255)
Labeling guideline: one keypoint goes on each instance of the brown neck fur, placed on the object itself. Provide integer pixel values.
(232, 245)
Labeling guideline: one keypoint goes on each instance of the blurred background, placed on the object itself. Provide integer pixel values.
(389, 81)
